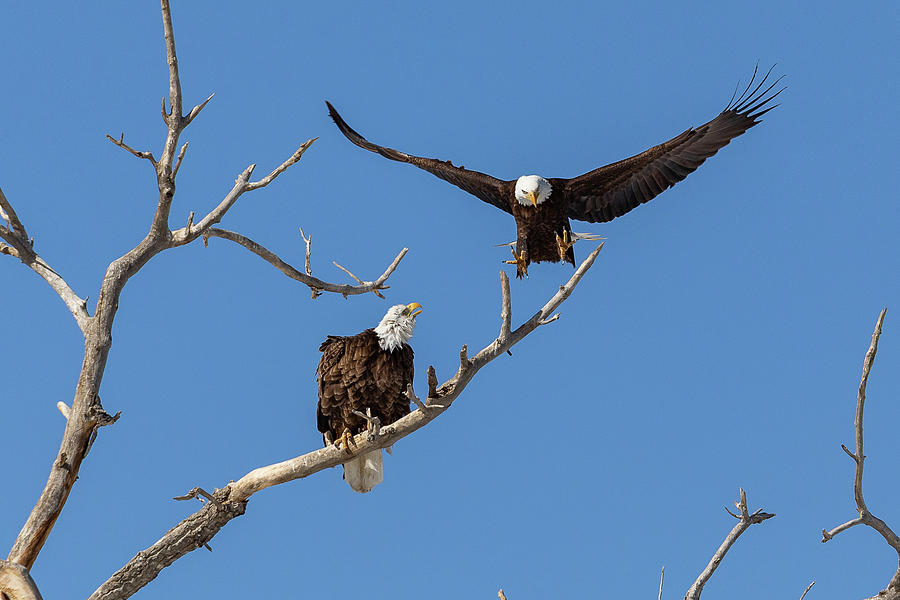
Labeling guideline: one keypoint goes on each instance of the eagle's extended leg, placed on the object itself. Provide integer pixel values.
(521, 262)
(568, 239)
(373, 424)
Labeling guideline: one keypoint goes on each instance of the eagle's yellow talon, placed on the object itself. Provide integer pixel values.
(565, 243)
(520, 261)
(346, 440)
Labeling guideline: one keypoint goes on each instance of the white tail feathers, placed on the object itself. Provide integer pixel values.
(365, 471)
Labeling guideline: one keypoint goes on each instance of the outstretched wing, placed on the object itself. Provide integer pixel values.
(611, 191)
(487, 188)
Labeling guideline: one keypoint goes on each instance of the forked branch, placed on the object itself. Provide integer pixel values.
(892, 592)
(314, 283)
(745, 520)
(232, 499)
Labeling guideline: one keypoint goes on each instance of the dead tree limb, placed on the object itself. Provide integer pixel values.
(892, 591)
(86, 414)
(19, 245)
(745, 520)
(232, 499)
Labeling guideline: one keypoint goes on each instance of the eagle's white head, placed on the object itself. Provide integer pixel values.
(397, 326)
(532, 189)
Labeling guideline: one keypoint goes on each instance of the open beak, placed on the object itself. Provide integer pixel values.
(413, 309)
(533, 197)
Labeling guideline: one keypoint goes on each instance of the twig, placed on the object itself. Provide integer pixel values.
(505, 307)
(501, 595)
(662, 575)
(194, 112)
(347, 271)
(308, 241)
(196, 493)
(179, 159)
(859, 458)
(809, 587)
(9, 215)
(138, 153)
(745, 520)
(21, 247)
(255, 185)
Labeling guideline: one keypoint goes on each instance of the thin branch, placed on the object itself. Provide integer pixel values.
(8, 214)
(501, 595)
(21, 247)
(662, 575)
(308, 241)
(86, 413)
(313, 283)
(179, 159)
(347, 271)
(859, 458)
(196, 111)
(172, 60)
(505, 307)
(255, 185)
(745, 520)
(138, 153)
(200, 527)
(241, 184)
(806, 591)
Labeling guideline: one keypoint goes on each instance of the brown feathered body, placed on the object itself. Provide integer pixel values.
(599, 195)
(539, 227)
(356, 374)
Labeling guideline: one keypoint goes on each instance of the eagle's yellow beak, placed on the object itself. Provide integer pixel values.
(533, 197)
(413, 309)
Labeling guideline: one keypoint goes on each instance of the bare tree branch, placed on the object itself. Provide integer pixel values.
(308, 241)
(892, 592)
(314, 283)
(745, 520)
(662, 575)
(282, 167)
(505, 307)
(241, 184)
(178, 160)
(806, 591)
(86, 414)
(140, 154)
(22, 248)
(231, 500)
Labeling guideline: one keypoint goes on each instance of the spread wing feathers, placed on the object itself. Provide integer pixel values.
(611, 191)
(355, 374)
(487, 188)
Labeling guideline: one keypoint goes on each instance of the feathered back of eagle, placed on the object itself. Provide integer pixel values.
(354, 374)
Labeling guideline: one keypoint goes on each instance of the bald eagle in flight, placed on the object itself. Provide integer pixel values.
(542, 207)
(365, 372)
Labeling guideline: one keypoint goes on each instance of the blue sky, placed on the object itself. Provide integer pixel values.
(716, 343)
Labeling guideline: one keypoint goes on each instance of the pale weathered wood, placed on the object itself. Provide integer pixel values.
(892, 591)
(745, 520)
(16, 583)
(86, 413)
(181, 539)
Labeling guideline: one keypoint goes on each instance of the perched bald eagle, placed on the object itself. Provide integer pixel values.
(542, 207)
(370, 371)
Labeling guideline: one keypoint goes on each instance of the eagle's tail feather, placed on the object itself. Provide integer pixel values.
(365, 471)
